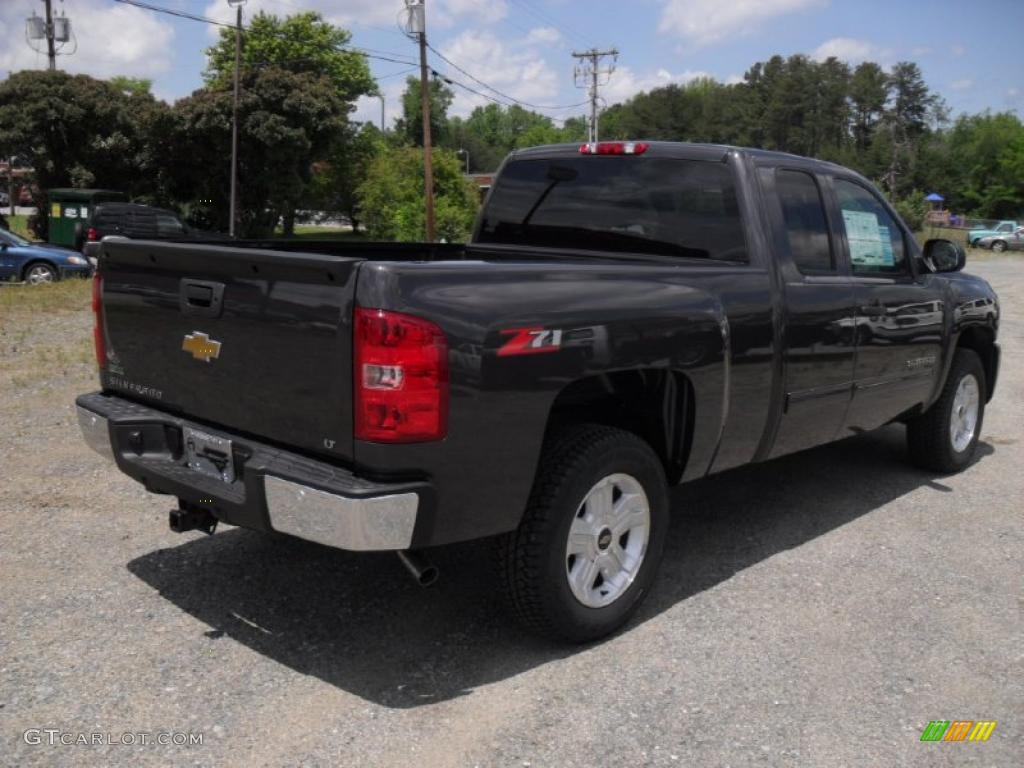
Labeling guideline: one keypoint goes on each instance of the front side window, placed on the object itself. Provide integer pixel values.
(806, 226)
(874, 238)
(652, 205)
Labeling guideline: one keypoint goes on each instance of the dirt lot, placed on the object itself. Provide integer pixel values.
(818, 610)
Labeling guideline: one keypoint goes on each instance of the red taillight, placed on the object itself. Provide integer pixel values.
(92, 235)
(615, 148)
(400, 378)
(97, 313)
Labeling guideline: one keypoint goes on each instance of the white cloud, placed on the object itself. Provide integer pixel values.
(112, 40)
(962, 84)
(625, 83)
(513, 68)
(848, 49)
(707, 21)
(544, 36)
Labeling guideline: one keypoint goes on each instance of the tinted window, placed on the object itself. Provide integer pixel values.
(806, 225)
(638, 204)
(874, 238)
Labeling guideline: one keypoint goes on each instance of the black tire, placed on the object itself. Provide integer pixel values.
(533, 559)
(999, 246)
(929, 436)
(40, 267)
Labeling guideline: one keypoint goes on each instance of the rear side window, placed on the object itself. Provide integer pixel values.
(167, 225)
(806, 226)
(620, 204)
(873, 236)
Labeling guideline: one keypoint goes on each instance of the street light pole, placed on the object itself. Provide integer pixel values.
(234, 120)
(466, 153)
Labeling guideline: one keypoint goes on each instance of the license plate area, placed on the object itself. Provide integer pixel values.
(209, 455)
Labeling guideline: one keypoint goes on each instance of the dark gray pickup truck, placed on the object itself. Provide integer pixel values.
(628, 316)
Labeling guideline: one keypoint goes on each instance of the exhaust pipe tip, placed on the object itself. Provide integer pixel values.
(424, 571)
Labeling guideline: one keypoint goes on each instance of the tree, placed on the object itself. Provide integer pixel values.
(409, 127)
(336, 181)
(302, 44)
(869, 90)
(287, 121)
(392, 203)
(906, 117)
(132, 86)
(75, 130)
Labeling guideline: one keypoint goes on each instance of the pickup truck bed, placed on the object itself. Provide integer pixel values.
(659, 308)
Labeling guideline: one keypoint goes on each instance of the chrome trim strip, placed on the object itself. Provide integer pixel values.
(379, 523)
(96, 431)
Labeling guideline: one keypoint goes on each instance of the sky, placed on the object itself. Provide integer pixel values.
(969, 54)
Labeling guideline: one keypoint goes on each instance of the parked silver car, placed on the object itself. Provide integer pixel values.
(1009, 241)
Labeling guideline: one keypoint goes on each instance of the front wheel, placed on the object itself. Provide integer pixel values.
(587, 550)
(39, 273)
(945, 437)
(998, 246)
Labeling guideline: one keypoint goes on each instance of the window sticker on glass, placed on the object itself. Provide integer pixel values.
(869, 241)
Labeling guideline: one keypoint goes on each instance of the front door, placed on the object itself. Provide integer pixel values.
(900, 316)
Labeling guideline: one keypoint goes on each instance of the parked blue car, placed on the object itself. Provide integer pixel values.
(38, 262)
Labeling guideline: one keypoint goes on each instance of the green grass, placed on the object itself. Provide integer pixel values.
(946, 233)
(72, 295)
(19, 226)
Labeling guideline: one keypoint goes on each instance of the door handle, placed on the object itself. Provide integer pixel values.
(872, 310)
(200, 297)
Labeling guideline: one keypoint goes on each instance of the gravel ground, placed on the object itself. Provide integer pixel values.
(817, 610)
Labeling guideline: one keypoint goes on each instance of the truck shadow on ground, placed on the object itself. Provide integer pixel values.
(359, 622)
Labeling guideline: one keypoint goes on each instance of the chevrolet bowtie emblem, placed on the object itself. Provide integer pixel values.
(201, 346)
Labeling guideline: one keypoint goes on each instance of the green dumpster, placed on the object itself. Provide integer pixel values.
(70, 208)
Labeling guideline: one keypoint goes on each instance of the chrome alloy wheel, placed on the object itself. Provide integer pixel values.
(39, 273)
(608, 540)
(964, 419)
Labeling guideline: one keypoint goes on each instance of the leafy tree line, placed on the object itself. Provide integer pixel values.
(887, 125)
(300, 150)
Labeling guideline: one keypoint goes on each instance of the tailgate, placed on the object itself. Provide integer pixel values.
(255, 341)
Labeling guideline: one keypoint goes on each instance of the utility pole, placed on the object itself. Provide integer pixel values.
(382, 120)
(51, 50)
(234, 120)
(588, 74)
(55, 30)
(418, 26)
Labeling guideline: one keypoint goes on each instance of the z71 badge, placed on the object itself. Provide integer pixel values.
(530, 341)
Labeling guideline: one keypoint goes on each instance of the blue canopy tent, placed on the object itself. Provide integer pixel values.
(934, 197)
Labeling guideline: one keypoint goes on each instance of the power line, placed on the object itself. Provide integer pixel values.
(380, 56)
(548, 20)
(513, 99)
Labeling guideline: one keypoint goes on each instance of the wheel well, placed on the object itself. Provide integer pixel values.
(981, 339)
(654, 404)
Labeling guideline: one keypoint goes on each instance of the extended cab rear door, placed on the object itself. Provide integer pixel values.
(819, 309)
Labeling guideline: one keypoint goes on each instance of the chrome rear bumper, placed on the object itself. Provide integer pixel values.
(374, 517)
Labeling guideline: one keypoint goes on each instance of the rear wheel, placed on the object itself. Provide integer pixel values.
(944, 438)
(587, 550)
(999, 246)
(39, 272)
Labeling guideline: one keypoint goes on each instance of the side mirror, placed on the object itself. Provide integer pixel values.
(944, 255)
